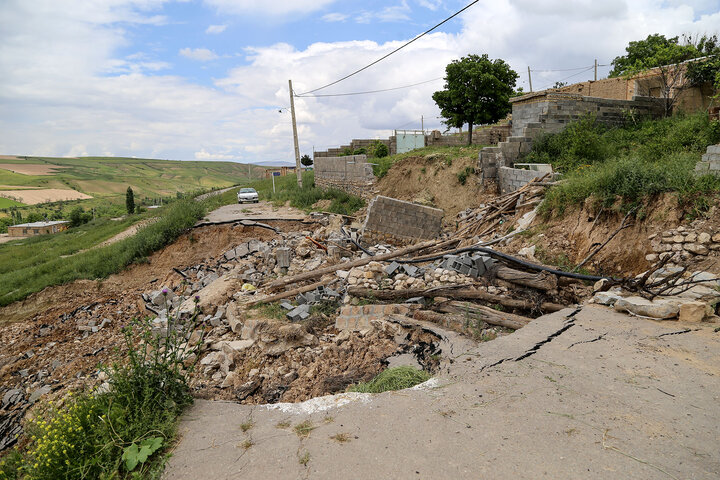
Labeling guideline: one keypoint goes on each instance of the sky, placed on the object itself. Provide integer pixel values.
(208, 79)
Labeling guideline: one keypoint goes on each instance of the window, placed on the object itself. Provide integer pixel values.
(36, 231)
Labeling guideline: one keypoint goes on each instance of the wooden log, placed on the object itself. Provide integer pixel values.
(454, 293)
(348, 265)
(485, 314)
(292, 293)
(541, 281)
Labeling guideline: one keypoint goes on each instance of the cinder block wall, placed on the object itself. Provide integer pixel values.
(351, 173)
(510, 179)
(710, 163)
(396, 221)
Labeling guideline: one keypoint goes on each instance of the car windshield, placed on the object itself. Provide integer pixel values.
(247, 190)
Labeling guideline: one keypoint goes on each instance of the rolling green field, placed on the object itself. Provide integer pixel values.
(7, 203)
(110, 176)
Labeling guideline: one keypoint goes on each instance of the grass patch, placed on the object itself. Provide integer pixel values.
(119, 433)
(631, 163)
(304, 459)
(392, 379)
(432, 154)
(37, 262)
(341, 437)
(246, 426)
(303, 429)
(246, 444)
(287, 190)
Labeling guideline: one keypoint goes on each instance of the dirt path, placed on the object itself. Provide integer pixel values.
(597, 395)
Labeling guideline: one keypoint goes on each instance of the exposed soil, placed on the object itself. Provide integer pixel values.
(433, 180)
(30, 168)
(44, 195)
(569, 239)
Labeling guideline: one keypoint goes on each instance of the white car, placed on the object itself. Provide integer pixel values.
(247, 195)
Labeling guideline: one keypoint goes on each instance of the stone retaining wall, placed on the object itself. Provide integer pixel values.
(398, 222)
(684, 244)
(351, 174)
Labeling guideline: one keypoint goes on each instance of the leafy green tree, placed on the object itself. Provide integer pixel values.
(306, 160)
(130, 201)
(379, 149)
(477, 90)
(665, 56)
(78, 216)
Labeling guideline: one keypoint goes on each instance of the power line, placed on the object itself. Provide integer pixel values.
(573, 75)
(369, 91)
(394, 51)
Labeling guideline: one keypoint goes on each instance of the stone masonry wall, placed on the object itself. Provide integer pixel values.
(548, 112)
(710, 163)
(396, 221)
(352, 174)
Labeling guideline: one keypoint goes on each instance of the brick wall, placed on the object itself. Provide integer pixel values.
(351, 173)
(395, 221)
(710, 163)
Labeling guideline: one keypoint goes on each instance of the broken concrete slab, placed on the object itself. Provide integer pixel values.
(693, 311)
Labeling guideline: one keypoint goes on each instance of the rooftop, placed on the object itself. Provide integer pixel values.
(40, 224)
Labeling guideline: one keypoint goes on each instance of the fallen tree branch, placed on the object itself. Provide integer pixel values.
(455, 294)
(292, 293)
(485, 314)
(541, 281)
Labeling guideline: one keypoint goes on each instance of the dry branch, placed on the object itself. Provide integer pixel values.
(485, 314)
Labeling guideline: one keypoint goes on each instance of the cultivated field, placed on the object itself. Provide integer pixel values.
(31, 169)
(45, 195)
(109, 177)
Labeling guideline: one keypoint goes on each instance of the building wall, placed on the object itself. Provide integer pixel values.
(351, 173)
(18, 231)
(399, 222)
(510, 179)
(710, 163)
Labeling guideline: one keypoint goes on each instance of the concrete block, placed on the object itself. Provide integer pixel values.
(282, 255)
(299, 313)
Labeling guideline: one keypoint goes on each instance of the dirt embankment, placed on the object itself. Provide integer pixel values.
(567, 240)
(433, 180)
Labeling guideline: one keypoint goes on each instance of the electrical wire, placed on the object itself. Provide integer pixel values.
(573, 75)
(369, 91)
(394, 51)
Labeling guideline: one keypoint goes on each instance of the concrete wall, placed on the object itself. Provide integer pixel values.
(395, 221)
(352, 174)
(491, 135)
(365, 143)
(710, 163)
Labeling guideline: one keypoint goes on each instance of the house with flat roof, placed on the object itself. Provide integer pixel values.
(37, 228)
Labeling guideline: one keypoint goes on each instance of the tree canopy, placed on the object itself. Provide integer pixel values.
(658, 51)
(477, 91)
(306, 160)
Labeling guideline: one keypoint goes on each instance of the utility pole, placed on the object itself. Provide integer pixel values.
(295, 138)
(422, 123)
(529, 79)
(596, 69)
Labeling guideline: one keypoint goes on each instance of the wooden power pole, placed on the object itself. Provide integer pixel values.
(295, 137)
(596, 69)
(529, 79)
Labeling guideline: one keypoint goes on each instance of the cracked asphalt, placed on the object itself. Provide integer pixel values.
(587, 393)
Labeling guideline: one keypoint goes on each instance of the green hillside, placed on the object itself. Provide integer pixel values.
(110, 176)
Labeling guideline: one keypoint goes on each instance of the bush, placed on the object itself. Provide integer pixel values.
(114, 434)
(379, 150)
(392, 379)
(464, 174)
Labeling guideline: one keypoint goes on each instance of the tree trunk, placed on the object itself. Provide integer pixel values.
(470, 125)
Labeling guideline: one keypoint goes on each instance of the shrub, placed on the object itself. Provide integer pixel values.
(464, 174)
(113, 434)
(392, 379)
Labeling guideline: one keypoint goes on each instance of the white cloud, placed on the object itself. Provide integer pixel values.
(431, 4)
(66, 90)
(199, 54)
(215, 29)
(265, 8)
(335, 17)
(205, 155)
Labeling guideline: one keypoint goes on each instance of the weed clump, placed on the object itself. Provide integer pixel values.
(392, 379)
